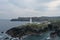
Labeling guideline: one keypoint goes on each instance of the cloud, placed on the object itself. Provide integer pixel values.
(53, 5)
(11, 11)
(53, 8)
(16, 8)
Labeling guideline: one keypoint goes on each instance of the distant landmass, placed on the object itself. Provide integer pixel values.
(36, 19)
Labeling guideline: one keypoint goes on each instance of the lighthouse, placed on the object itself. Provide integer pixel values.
(30, 19)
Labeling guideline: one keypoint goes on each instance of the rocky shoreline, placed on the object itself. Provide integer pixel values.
(33, 29)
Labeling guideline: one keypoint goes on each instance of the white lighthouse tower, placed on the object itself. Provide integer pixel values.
(30, 19)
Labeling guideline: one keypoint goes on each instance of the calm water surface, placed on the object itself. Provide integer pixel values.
(7, 24)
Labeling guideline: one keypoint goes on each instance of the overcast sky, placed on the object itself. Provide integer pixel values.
(28, 8)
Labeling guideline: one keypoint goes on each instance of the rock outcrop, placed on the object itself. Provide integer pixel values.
(33, 29)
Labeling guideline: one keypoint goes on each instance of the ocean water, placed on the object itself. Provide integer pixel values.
(7, 24)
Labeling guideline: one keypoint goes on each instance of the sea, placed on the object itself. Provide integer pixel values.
(6, 24)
